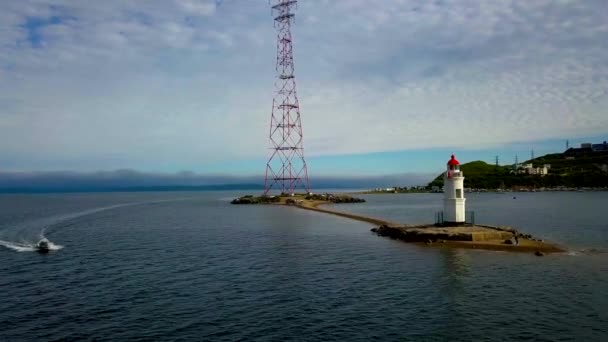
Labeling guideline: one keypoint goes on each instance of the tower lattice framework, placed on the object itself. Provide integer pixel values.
(286, 170)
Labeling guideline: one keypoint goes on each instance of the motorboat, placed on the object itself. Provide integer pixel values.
(43, 246)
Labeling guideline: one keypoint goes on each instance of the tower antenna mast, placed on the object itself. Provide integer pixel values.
(286, 169)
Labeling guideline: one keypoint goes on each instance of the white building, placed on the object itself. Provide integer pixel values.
(542, 171)
(453, 192)
(531, 170)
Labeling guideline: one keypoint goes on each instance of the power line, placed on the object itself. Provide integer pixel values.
(286, 169)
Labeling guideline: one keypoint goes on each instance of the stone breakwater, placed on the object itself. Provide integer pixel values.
(431, 233)
(296, 199)
(465, 236)
(468, 236)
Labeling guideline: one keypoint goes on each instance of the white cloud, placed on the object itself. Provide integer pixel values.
(202, 8)
(459, 74)
(186, 82)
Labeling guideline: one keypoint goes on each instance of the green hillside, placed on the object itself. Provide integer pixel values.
(567, 169)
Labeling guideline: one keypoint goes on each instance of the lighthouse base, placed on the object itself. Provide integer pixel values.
(442, 220)
(473, 236)
(454, 210)
(452, 224)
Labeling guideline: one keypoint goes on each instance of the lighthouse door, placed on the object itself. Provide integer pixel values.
(458, 193)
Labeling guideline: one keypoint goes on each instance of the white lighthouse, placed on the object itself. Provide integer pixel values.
(453, 189)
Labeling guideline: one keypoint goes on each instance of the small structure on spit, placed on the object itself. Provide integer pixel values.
(451, 228)
(453, 190)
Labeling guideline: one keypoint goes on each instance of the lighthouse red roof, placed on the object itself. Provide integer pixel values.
(453, 161)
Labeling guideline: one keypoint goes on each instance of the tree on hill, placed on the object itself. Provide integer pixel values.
(585, 170)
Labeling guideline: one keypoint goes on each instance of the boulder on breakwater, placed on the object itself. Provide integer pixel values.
(296, 199)
(468, 236)
(432, 233)
(249, 199)
(334, 198)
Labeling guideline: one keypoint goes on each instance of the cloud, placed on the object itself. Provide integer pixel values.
(165, 85)
(197, 7)
(501, 72)
(130, 179)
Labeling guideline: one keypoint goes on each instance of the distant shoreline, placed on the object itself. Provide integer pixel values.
(557, 189)
(253, 187)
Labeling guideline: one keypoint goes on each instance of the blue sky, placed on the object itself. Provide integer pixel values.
(167, 86)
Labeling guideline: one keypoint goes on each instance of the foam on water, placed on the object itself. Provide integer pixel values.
(593, 250)
(25, 237)
(19, 247)
(206, 270)
(27, 247)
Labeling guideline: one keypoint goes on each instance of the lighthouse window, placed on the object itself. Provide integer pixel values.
(458, 193)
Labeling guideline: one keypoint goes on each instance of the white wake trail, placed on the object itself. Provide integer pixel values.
(19, 247)
(25, 234)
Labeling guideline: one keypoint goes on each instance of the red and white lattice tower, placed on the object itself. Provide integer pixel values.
(286, 169)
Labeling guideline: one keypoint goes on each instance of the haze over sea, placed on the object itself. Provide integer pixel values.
(191, 267)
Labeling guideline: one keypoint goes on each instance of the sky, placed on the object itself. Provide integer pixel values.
(385, 87)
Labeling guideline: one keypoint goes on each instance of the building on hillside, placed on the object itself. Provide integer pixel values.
(529, 169)
(587, 148)
(600, 147)
(574, 152)
(541, 171)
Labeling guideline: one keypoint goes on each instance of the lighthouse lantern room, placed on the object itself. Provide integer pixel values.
(453, 189)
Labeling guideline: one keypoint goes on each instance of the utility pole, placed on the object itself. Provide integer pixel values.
(286, 168)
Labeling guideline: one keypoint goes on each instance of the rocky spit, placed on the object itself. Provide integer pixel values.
(468, 236)
(296, 199)
(433, 233)
(462, 236)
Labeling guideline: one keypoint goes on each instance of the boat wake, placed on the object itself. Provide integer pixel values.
(19, 247)
(594, 251)
(26, 236)
(587, 251)
(27, 246)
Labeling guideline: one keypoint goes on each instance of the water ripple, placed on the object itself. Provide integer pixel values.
(200, 269)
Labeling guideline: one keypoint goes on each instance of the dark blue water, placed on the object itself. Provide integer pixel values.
(189, 266)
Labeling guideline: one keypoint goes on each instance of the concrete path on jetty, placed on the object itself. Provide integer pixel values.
(472, 237)
(463, 236)
(314, 205)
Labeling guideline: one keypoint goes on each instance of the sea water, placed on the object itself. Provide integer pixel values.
(190, 266)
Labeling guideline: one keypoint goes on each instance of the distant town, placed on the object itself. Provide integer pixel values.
(583, 168)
